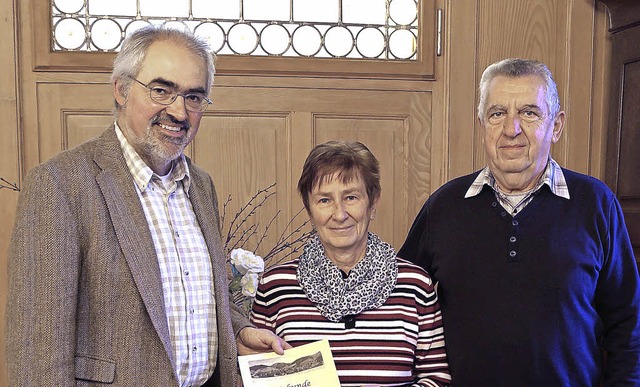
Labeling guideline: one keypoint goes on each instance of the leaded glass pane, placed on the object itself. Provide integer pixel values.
(364, 11)
(315, 10)
(216, 9)
(402, 12)
(275, 39)
(275, 10)
(338, 41)
(105, 34)
(69, 33)
(164, 8)
(369, 29)
(111, 7)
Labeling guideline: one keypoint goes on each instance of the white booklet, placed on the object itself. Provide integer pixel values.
(309, 365)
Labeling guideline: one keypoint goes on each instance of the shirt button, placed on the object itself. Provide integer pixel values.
(494, 204)
(194, 349)
(512, 254)
(512, 239)
(515, 223)
(503, 213)
(186, 272)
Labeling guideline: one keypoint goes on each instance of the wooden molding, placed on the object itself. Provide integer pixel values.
(623, 14)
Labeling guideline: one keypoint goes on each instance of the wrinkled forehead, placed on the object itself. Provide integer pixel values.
(175, 63)
(516, 91)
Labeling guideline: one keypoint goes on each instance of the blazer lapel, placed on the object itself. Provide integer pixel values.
(132, 230)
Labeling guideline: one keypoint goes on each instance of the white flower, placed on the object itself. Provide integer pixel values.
(249, 284)
(245, 261)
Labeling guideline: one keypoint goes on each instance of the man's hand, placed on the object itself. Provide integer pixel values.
(253, 340)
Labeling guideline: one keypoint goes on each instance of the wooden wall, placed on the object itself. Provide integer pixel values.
(569, 35)
(10, 164)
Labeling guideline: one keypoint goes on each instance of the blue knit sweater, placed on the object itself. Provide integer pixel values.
(532, 299)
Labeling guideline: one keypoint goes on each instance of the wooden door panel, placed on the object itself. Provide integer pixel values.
(245, 153)
(629, 162)
(396, 125)
(80, 126)
(629, 158)
(623, 138)
(257, 136)
(69, 114)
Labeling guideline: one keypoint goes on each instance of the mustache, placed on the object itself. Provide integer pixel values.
(164, 117)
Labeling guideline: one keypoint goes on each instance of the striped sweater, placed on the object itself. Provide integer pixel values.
(400, 343)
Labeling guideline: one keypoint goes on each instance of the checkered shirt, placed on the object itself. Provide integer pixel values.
(185, 265)
(552, 176)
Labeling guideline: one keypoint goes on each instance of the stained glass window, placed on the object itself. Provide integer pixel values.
(359, 29)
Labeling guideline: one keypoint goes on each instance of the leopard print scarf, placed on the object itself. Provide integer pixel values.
(368, 285)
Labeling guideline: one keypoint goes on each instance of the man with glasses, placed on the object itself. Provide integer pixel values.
(116, 268)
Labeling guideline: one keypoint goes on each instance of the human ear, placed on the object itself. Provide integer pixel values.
(558, 127)
(118, 93)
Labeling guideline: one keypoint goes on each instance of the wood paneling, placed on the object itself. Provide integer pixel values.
(384, 136)
(10, 141)
(246, 147)
(560, 33)
(623, 159)
(244, 153)
(70, 113)
(271, 138)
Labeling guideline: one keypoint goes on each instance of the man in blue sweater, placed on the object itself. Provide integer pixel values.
(537, 280)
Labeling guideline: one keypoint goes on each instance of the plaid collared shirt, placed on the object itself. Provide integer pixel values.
(185, 265)
(552, 176)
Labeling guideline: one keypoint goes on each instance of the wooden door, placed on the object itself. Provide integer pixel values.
(257, 136)
(623, 158)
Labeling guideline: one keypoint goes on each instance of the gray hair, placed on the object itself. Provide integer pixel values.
(128, 62)
(514, 68)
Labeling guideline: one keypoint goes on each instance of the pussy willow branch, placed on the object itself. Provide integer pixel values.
(294, 245)
(10, 186)
(236, 222)
(244, 237)
(239, 232)
(224, 208)
(249, 214)
(266, 229)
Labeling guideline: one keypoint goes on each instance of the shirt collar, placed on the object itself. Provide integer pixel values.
(552, 176)
(141, 172)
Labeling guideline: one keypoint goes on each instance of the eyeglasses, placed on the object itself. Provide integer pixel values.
(194, 102)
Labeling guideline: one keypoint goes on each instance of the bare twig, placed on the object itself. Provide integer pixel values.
(240, 230)
(240, 218)
(252, 211)
(283, 244)
(243, 230)
(10, 186)
(266, 229)
(224, 211)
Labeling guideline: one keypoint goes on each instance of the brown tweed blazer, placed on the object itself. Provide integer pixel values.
(85, 295)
